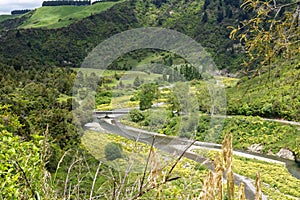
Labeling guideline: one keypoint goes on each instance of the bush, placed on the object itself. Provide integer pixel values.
(136, 115)
(113, 151)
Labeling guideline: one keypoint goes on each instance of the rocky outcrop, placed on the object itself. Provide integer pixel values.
(283, 153)
(256, 148)
(286, 154)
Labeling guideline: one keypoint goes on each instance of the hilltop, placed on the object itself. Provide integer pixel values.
(62, 16)
(52, 17)
(6, 17)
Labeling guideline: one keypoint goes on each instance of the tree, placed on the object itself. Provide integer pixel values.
(272, 31)
(206, 3)
(165, 77)
(22, 166)
(174, 104)
(180, 100)
(228, 12)
(148, 92)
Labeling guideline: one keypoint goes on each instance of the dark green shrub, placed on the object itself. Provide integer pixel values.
(136, 115)
(113, 151)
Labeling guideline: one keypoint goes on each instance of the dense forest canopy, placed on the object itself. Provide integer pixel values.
(67, 3)
(20, 12)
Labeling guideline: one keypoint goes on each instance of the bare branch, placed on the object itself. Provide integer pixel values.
(68, 175)
(25, 177)
(179, 158)
(147, 163)
(94, 180)
(58, 165)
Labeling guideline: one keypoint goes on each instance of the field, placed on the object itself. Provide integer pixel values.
(62, 16)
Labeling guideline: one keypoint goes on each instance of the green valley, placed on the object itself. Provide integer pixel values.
(148, 126)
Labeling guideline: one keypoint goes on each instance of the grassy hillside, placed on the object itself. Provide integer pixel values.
(62, 16)
(273, 94)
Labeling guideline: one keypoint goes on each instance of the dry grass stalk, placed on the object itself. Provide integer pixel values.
(218, 176)
(46, 189)
(227, 156)
(230, 183)
(156, 169)
(208, 192)
(242, 195)
(258, 195)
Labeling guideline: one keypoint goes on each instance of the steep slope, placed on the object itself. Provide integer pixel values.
(6, 17)
(64, 46)
(12, 21)
(50, 17)
(273, 94)
(206, 22)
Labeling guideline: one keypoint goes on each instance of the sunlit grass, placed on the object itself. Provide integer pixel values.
(190, 174)
(62, 16)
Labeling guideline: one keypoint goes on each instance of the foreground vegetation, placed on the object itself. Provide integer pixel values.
(188, 175)
(277, 182)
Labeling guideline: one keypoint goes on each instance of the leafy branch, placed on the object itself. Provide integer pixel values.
(273, 30)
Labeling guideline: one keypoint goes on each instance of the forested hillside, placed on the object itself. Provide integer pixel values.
(69, 45)
(274, 94)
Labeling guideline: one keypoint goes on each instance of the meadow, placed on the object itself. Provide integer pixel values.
(62, 16)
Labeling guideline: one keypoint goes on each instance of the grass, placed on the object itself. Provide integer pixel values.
(143, 59)
(191, 174)
(62, 16)
(120, 95)
(95, 143)
(227, 81)
(125, 75)
(278, 182)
